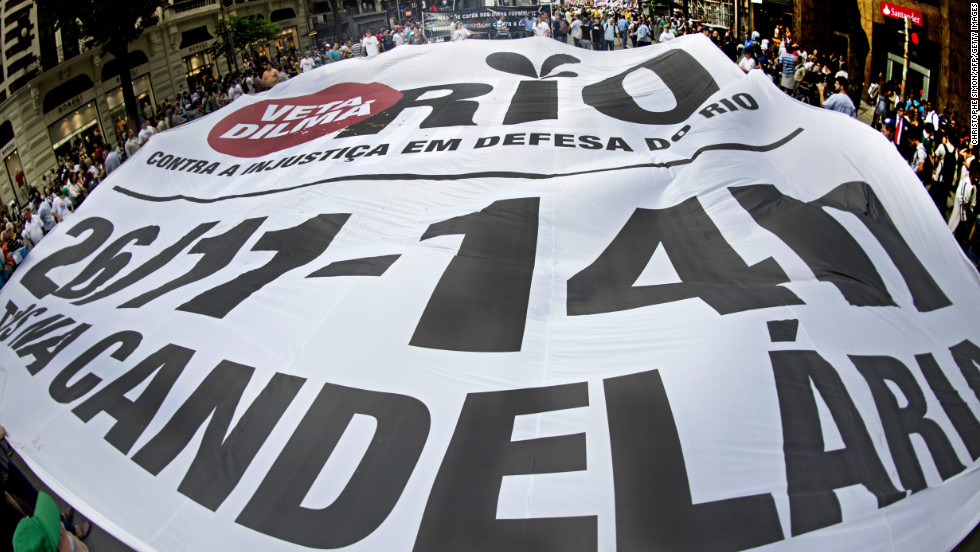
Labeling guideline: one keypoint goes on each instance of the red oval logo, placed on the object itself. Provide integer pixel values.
(276, 124)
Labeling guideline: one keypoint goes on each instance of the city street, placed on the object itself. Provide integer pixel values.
(413, 275)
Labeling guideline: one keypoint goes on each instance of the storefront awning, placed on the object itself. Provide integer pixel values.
(134, 58)
(194, 36)
(282, 14)
(66, 91)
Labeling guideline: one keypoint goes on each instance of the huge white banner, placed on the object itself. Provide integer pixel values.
(506, 296)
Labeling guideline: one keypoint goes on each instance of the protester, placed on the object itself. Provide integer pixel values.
(838, 101)
(370, 44)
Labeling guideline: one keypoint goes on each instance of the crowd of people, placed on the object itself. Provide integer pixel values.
(935, 144)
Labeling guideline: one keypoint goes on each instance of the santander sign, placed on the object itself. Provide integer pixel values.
(269, 126)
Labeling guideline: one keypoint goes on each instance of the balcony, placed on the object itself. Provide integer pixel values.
(182, 7)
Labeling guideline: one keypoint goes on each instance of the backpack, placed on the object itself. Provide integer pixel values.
(947, 173)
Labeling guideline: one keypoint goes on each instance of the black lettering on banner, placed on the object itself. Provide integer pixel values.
(689, 82)
(708, 266)
(40, 329)
(219, 463)
(294, 248)
(812, 473)
(370, 494)
(11, 312)
(901, 422)
(448, 145)
(480, 303)
(216, 253)
(534, 101)
(36, 280)
(859, 199)
(126, 342)
(746, 101)
(589, 142)
(150, 266)
(367, 266)
(107, 264)
(132, 417)
(831, 251)
(452, 109)
(19, 318)
(45, 351)
(654, 507)
(967, 357)
(461, 513)
(958, 412)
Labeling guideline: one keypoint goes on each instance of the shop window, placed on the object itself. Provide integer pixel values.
(18, 180)
(117, 107)
(282, 14)
(78, 128)
(66, 91)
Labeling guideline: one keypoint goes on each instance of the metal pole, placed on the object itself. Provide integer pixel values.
(905, 63)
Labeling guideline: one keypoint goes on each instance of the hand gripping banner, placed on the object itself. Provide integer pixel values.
(505, 295)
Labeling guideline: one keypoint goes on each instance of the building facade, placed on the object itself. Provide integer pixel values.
(53, 93)
(873, 40)
(354, 17)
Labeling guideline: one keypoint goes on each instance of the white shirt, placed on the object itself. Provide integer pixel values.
(919, 157)
(370, 45)
(747, 63)
(60, 207)
(145, 134)
(33, 231)
(235, 91)
(541, 29)
(306, 65)
(460, 34)
(398, 39)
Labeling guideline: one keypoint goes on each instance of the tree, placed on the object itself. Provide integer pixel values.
(335, 10)
(111, 25)
(239, 32)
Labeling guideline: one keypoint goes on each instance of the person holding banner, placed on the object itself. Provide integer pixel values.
(528, 23)
(370, 44)
(542, 29)
(502, 30)
(461, 33)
